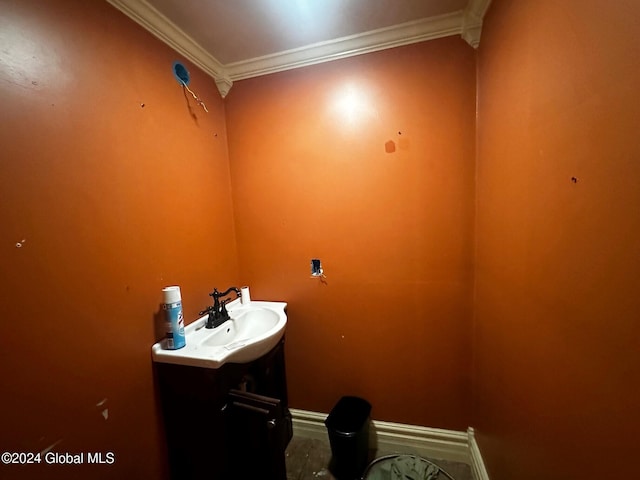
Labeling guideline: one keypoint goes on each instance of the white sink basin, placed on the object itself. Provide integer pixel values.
(252, 331)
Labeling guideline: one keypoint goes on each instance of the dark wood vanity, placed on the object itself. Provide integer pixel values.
(227, 423)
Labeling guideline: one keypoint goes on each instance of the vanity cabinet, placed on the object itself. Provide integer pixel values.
(227, 423)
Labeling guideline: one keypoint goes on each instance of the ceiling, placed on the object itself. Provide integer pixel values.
(237, 39)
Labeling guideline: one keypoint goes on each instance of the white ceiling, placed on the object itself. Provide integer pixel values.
(236, 39)
(236, 30)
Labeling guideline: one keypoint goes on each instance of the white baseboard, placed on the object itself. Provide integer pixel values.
(308, 424)
(477, 464)
(424, 441)
(427, 442)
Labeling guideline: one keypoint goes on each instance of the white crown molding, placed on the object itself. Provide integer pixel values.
(467, 23)
(224, 84)
(367, 42)
(478, 7)
(155, 22)
(472, 21)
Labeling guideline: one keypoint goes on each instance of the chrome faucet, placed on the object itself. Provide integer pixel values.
(218, 312)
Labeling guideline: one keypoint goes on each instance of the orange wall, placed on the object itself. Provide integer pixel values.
(114, 201)
(557, 330)
(368, 164)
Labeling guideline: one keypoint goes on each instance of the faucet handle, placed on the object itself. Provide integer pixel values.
(212, 316)
(223, 310)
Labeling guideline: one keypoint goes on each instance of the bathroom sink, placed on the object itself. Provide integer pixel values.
(252, 331)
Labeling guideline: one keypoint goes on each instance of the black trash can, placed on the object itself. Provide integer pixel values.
(348, 427)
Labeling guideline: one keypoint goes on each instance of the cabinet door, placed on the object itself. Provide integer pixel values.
(258, 430)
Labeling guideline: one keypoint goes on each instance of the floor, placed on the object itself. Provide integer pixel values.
(308, 459)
